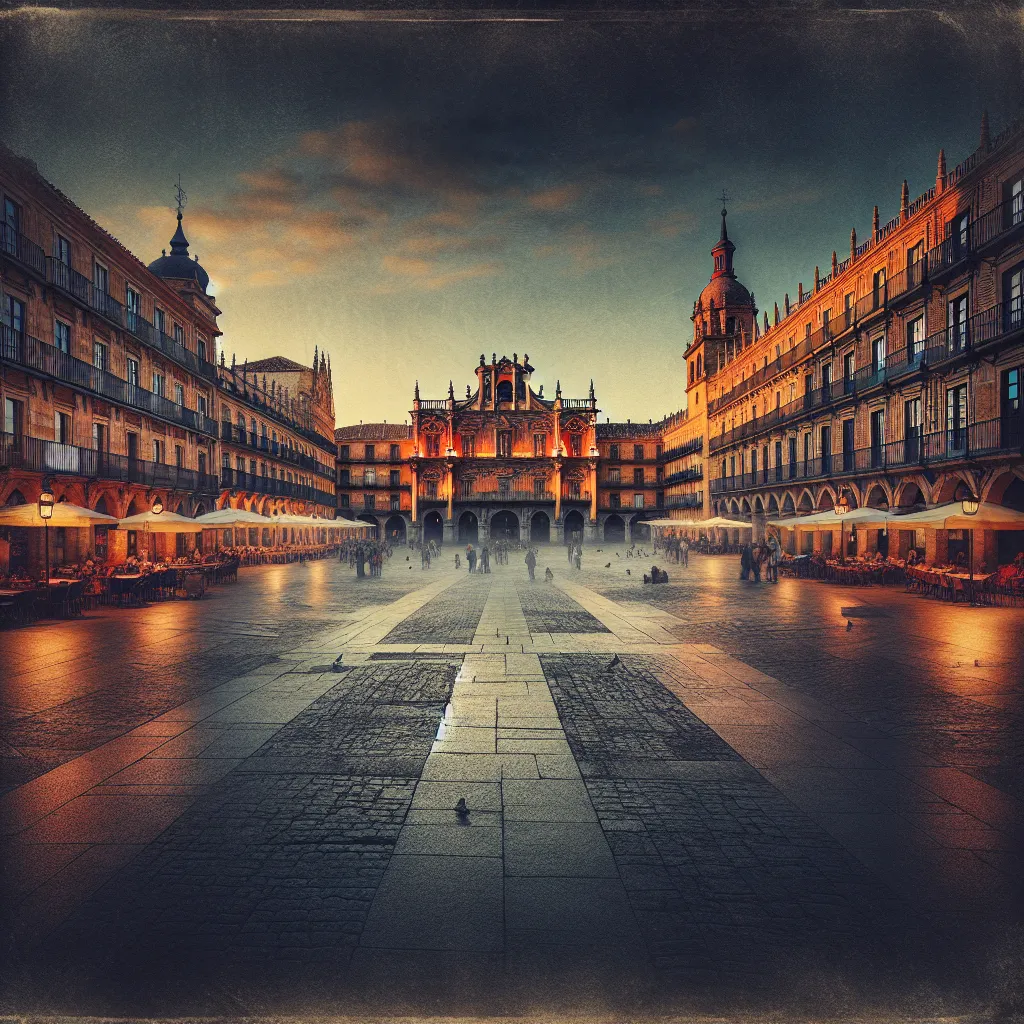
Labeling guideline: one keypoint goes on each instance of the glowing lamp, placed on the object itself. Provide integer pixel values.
(970, 504)
(842, 506)
(46, 504)
(158, 507)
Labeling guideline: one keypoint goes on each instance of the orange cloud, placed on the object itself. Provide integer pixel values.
(555, 199)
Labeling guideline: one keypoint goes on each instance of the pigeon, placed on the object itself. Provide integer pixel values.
(616, 554)
(615, 661)
(607, 565)
(461, 809)
(407, 558)
(628, 573)
(849, 625)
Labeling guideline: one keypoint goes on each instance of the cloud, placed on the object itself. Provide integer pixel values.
(673, 223)
(431, 275)
(555, 199)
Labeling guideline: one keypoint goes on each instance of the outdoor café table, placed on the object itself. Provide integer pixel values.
(123, 583)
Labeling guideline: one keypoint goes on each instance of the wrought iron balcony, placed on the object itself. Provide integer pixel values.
(53, 457)
(36, 355)
(16, 246)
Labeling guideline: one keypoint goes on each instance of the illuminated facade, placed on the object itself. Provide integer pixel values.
(896, 376)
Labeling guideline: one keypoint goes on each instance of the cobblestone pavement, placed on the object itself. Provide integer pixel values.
(703, 796)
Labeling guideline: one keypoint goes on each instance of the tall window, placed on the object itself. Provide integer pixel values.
(202, 405)
(179, 459)
(160, 321)
(576, 445)
(912, 430)
(99, 355)
(11, 225)
(638, 501)
(1011, 409)
(468, 446)
(638, 476)
(848, 442)
(792, 457)
(1013, 297)
(878, 287)
(504, 443)
(956, 418)
(61, 336)
(99, 437)
(1015, 199)
(956, 322)
(201, 349)
(369, 452)
(132, 301)
(395, 477)
(878, 353)
(433, 445)
(62, 427)
(915, 339)
(540, 444)
(100, 278)
(613, 452)
(179, 393)
(14, 418)
(179, 334)
(538, 486)
(369, 477)
(877, 437)
(14, 314)
(395, 453)
(826, 449)
(614, 475)
(638, 452)
(158, 450)
(159, 384)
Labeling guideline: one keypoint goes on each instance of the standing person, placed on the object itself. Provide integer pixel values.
(774, 557)
(471, 557)
(745, 560)
(685, 548)
(531, 562)
(579, 557)
(485, 558)
(756, 561)
(458, 564)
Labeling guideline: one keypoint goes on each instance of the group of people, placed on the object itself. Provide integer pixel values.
(363, 554)
(676, 548)
(478, 561)
(766, 556)
(575, 552)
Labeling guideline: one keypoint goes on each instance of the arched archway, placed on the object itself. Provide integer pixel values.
(909, 495)
(826, 499)
(638, 529)
(806, 502)
(503, 392)
(433, 528)
(15, 498)
(773, 505)
(101, 505)
(788, 505)
(504, 526)
(1006, 489)
(200, 511)
(394, 529)
(540, 528)
(131, 510)
(758, 505)
(572, 527)
(372, 520)
(877, 498)
(614, 530)
(469, 528)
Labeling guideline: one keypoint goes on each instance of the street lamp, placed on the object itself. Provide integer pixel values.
(970, 504)
(841, 507)
(158, 507)
(46, 513)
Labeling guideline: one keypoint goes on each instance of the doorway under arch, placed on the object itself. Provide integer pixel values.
(433, 528)
(373, 522)
(394, 530)
(505, 526)
(639, 530)
(540, 528)
(614, 530)
(572, 527)
(469, 528)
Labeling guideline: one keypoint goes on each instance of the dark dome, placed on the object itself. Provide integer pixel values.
(725, 291)
(178, 266)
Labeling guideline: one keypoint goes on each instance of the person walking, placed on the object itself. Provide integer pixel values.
(471, 558)
(485, 558)
(531, 562)
(746, 557)
(774, 557)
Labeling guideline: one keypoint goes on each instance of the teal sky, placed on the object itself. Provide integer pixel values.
(407, 196)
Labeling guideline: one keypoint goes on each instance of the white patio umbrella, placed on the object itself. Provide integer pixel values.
(64, 514)
(160, 522)
(951, 517)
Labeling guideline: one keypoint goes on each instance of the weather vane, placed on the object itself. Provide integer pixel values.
(724, 197)
(180, 192)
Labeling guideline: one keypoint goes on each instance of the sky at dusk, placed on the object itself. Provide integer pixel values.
(407, 195)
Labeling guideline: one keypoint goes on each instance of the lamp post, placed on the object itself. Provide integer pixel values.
(46, 513)
(970, 504)
(842, 506)
(158, 507)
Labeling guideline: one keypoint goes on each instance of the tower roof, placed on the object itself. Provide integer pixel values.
(724, 289)
(177, 266)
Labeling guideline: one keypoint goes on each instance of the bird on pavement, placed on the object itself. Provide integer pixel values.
(628, 573)
(849, 625)
(461, 809)
(607, 565)
(615, 661)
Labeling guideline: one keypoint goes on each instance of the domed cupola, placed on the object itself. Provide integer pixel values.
(178, 266)
(725, 306)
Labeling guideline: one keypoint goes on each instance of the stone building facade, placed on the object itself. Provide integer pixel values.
(894, 377)
(110, 388)
(504, 462)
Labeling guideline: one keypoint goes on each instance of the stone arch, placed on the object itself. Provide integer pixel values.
(572, 526)
(540, 528)
(948, 486)
(131, 509)
(433, 527)
(14, 498)
(1006, 488)
(773, 504)
(615, 530)
(374, 522)
(200, 510)
(469, 528)
(788, 504)
(504, 525)
(806, 502)
(745, 507)
(758, 505)
(826, 499)
(638, 529)
(878, 496)
(908, 494)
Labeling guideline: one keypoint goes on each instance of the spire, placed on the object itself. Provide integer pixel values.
(853, 243)
(592, 389)
(904, 200)
(558, 389)
(416, 392)
(985, 144)
(786, 304)
(451, 391)
(817, 279)
(874, 223)
(766, 321)
(940, 173)
(835, 263)
(723, 250)
(776, 313)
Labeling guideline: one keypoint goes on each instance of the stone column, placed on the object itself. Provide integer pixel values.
(593, 490)
(558, 490)
(415, 493)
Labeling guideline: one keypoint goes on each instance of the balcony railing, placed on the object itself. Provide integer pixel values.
(502, 496)
(24, 250)
(233, 479)
(41, 456)
(569, 495)
(694, 445)
(977, 440)
(684, 501)
(576, 403)
(434, 403)
(693, 473)
(992, 324)
(36, 355)
(373, 485)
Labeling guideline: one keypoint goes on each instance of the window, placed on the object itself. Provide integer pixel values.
(62, 427)
(878, 353)
(848, 442)
(778, 460)
(342, 451)
(538, 487)
(61, 336)
(826, 449)
(369, 452)
(826, 376)
(132, 302)
(158, 450)
(369, 476)
(638, 476)
(99, 437)
(807, 452)
(659, 450)
(1011, 409)
(201, 349)
(956, 323)
(396, 502)
(753, 463)
(730, 325)
(848, 368)
(99, 355)
(14, 417)
(504, 443)
(959, 234)
(14, 314)
(576, 445)
(395, 453)
(638, 452)
(431, 488)
(638, 501)
(613, 452)
(433, 445)
(1015, 201)
(915, 339)
(179, 334)
(792, 457)
(826, 315)
(878, 292)
(344, 477)
(179, 459)
(179, 394)
(343, 501)
(202, 464)
(468, 446)
(370, 500)
(100, 278)
(614, 500)
(160, 321)
(1013, 297)
(540, 444)
(202, 405)
(395, 477)
(11, 225)
(159, 384)
(956, 418)
(877, 422)
(614, 475)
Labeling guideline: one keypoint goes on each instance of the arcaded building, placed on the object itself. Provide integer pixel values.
(502, 462)
(894, 377)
